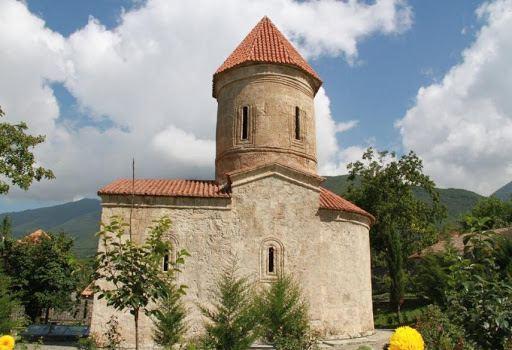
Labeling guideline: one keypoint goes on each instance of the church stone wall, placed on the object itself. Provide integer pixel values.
(327, 251)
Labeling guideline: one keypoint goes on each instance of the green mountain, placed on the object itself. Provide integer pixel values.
(504, 193)
(79, 219)
(457, 201)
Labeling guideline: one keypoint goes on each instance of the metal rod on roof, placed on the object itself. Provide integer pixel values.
(133, 195)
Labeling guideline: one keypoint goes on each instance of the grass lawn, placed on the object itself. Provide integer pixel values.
(385, 317)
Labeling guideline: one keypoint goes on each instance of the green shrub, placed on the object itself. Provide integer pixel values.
(433, 274)
(285, 316)
(88, 343)
(233, 320)
(169, 319)
(439, 332)
(480, 295)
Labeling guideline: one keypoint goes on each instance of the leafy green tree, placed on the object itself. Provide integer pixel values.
(233, 319)
(488, 213)
(169, 318)
(129, 275)
(285, 316)
(383, 185)
(42, 272)
(17, 162)
(11, 315)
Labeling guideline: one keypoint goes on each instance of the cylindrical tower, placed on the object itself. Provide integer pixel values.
(265, 114)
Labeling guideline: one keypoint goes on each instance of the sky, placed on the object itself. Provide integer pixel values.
(108, 80)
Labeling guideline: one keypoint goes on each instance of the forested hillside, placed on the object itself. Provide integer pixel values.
(80, 219)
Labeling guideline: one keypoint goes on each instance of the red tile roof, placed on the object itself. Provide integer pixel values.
(330, 200)
(210, 189)
(165, 188)
(88, 291)
(34, 237)
(266, 44)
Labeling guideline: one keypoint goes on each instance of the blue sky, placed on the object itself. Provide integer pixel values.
(103, 68)
(376, 90)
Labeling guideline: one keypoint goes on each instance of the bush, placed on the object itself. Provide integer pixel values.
(479, 295)
(233, 320)
(440, 333)
(285, 316)
(433, 274)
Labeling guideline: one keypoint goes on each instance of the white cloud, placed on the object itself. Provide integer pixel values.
(462, 126)
(151, 76)
(332, 159)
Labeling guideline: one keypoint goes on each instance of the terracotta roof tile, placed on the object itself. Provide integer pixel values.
(266, 44)
(88, 291)
(34, 237)
(166, 188)
(330, 200)
(210, 189)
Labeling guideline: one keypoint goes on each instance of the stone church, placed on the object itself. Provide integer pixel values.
(266, 206)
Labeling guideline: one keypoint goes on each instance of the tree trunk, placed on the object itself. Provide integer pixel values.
(46, 315)
(136, 318)
(396, 271)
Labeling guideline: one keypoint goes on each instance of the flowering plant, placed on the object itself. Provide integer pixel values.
(6, 342)
(406, 338)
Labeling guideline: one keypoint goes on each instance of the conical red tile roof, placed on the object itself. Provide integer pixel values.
(266, 44)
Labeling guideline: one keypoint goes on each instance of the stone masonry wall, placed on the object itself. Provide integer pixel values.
(327, 251)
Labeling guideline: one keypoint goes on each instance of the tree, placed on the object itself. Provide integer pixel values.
(489, 213)
(170, 319)
(10, 309)
(17, 162)
(42, 272)
(285, 316)
(383, 185)
(129, 275)
(233, 318)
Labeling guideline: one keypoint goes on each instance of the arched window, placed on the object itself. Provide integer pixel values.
(169, 259)
(297, 123)
(245, 123)
(272, 259)
(166, 261)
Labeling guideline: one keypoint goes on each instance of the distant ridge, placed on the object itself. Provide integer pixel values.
(80, 219)
(457, 201)
(504, 193)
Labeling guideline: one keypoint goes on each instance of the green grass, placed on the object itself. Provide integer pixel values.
(385, 317)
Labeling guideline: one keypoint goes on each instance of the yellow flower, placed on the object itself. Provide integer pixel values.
(406, 338)
(6, 342)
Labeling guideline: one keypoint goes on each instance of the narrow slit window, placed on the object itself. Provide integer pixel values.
(166, 263)
(271, 260)
(245, 123)
(297, 123)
